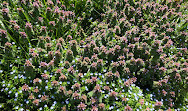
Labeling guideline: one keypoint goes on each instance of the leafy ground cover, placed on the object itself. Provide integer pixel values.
(93, 55)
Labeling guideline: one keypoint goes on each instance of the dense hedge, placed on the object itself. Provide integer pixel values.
(93, 55)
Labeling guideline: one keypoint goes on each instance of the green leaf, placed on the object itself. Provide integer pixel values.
(90, 93)
(100, 99)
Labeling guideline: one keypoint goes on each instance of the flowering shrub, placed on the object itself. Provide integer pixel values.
(93, 55)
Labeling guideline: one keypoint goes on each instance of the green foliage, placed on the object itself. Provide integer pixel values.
(93, 55)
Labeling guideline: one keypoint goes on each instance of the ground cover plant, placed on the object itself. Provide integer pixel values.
(97, 55)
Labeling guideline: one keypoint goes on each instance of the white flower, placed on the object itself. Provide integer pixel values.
(51, 107)
(55, 102)
(52, 97)
(45, 71)
(151, 95)
(140, 107)
(113, 85)
(136, 97)
(130, 88)
(111, 107)
(6, 89)
(86, 88)
(66, 101)
(40, 81)
(146, 103)
(27, 102)
(102, 76)
(46, 87)
(60, 82)
(10, 92)
(16, 107)
(40, 108)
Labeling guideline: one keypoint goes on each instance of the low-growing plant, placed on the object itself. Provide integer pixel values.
(93, 55)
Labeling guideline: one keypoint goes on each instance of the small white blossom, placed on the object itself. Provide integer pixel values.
(10, 92)
(51, 107)
(6, 89)
(66, 101)
(46, 87)
(16, 107)
(27, 102)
